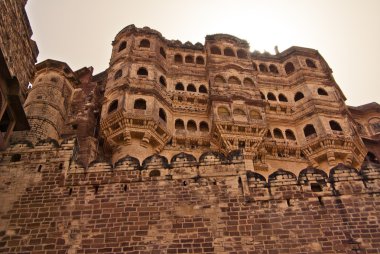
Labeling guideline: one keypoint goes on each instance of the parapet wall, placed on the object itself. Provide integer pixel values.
(213, 205)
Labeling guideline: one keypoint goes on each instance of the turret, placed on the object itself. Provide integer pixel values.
(48, 100)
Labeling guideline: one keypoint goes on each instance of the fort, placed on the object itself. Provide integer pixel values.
(182, 148)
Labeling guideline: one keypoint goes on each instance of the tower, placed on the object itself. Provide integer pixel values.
(48, 100)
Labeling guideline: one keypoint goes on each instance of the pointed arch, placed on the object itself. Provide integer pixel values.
(278, 133)
(310, 63)
(335, 126)
(289, 68)
(219, 79)
(189, 59)
(199, 60)
(179, 124)
(309, 130)
(113, 106)
(229, 52)
(254, 114)
(202, 89)
(248, 82)
(142, 71)
(191, 126)
(263, 68)
(122, 45)
(298, 96)
(144, 43)
(203, 127)
(140, 104)
(223, 112)
(178, 58)
(163, 81)
(118, 74)
(191, 88)
(254, 66)
(282, 98)
(234, 80)
(289, 134)
(215, 50)
(242, 54)
(162, 114)
(271, 96)
(179, 87)
(273, 69)
(322, 91)
(162, 52)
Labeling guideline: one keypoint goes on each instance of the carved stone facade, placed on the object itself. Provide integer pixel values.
(182, 148)
(18, 54)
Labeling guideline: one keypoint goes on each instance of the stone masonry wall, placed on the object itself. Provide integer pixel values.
(210, 206)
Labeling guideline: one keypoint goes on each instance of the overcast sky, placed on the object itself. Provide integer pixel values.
(345, 32)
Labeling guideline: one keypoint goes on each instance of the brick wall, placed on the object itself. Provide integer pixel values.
(52, 205)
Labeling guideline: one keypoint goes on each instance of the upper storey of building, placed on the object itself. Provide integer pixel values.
(166, 97)
(222, 60)
(163, 96)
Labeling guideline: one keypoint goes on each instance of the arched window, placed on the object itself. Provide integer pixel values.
(178, 58)
(273, 69)
(142, 72)
(223, 112)
(144, 43)
(282, 97)
(16, 157)
(140, 104)
(309, 130)
(271, 97)
(263, 68)
(239, 112)
(290, 135)
(322, 91)
(298, 96)
(229, 52)
(203, 127)
(122, 46)
(241, 53)
(289, 68)
(278, 133)
(335, 126)
(254, 114)
(262, 96)
(191, 88)
(248, 82)
(310, 63)
(199, 60)
(234, 81)
(189, 59)
(162, 52)
(215, 50)
(118, 74)
(154, 173)
(162, 114)
(219, 79)
(179, 124)
(163, 81)
(269, 135)
(254, 66)
(113, 106)
(202, 89)
(179, 87)
(191, 126)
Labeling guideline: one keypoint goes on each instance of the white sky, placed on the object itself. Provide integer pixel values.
(345, 32)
